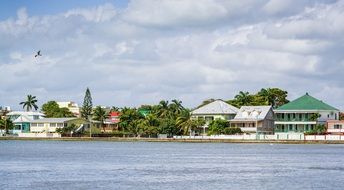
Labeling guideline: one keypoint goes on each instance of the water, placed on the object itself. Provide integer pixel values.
(142, 165)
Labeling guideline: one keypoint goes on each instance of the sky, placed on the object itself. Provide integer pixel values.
(139, 52)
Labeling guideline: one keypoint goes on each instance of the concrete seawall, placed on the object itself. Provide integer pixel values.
(116, 139)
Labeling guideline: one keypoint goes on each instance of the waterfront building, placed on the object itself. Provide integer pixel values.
(72, 107)
(22, 119)
(112, 121)
(254, 119)
(335, 127)
(303, 114)
(217, 109)
(49, 125)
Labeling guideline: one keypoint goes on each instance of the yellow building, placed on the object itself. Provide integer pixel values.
(72, 107)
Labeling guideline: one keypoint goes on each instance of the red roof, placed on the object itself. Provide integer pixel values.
(114, 114)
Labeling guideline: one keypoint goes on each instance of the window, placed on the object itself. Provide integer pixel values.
(288, 115)
(282, 115)
(300, 116)
(33, 124)
(294, 115)
(59, 124)
(337, 126)
(328, 115)
(53, 124)
(40, 124)
(290, 127)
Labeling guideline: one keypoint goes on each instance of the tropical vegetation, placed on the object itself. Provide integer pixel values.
(29, 103)
(86, 110)
(52, 109)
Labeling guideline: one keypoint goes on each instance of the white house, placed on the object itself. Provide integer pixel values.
(254, 119)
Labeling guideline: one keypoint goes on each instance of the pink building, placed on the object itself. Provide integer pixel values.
(335, 126)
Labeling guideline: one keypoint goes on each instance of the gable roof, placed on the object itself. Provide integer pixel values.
(22, 119)
(306, 102)
(54, 120)
(252, 113)
(216, 107)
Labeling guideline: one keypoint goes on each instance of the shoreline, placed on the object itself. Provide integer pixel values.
(123, 139)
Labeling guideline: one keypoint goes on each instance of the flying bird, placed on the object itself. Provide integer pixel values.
(38, 53)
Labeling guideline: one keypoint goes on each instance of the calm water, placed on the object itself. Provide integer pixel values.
(140, 165)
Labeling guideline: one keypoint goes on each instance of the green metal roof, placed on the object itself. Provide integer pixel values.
(306, 102)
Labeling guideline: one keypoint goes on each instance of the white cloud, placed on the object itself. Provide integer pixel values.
(156, 50)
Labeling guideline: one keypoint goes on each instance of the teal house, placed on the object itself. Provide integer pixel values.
(303, 114)
(22, 120)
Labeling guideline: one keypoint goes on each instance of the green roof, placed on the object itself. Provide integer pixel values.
(306, 102)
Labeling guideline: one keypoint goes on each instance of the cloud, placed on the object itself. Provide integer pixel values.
(155, 50)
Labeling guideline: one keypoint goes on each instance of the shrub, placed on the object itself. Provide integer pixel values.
(232, 130)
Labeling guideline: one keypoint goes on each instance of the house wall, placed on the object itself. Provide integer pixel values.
(335, 127)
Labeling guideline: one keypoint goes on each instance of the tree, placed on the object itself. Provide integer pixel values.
(6, 124)
(315, 116)
(318, 130)
(232, 131)
(86, 109)
(217, 127)
(29, 103)
(244, 98)
(52, 109)
(163, 107)
(186, 124)
(273, 96)
(67, 130)
(100, 114)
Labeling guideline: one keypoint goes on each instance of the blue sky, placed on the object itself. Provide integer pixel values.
(140, 52)
(9, 8)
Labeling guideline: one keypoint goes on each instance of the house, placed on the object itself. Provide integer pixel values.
(254, 119)
(335, 127)
(217, 109)
(72, 107)
(112, 121)
(303, 114)
(49, 125)
(22, 119)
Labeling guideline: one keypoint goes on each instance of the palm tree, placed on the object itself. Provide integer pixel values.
(163, 108)
(186, 124)
(115, 109)
(100, 114)
(177, 106)
(30, 103)
(244, 98)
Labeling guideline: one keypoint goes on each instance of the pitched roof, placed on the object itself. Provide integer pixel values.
(22, 119)
(252, 113)
(54, 120)
(25, 113)
(216, 107)
(306, 102)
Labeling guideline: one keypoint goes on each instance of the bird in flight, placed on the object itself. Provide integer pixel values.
(38, 53)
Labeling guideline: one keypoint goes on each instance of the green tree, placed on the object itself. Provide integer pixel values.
(244, 98)
(6, 124)
(86, 109)
(273, 96)
(186, 124)
(100, 114)
(29, 103)
(52, 109)
(318, 130)
(217, 127)
(232, 131)
(67, 130)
